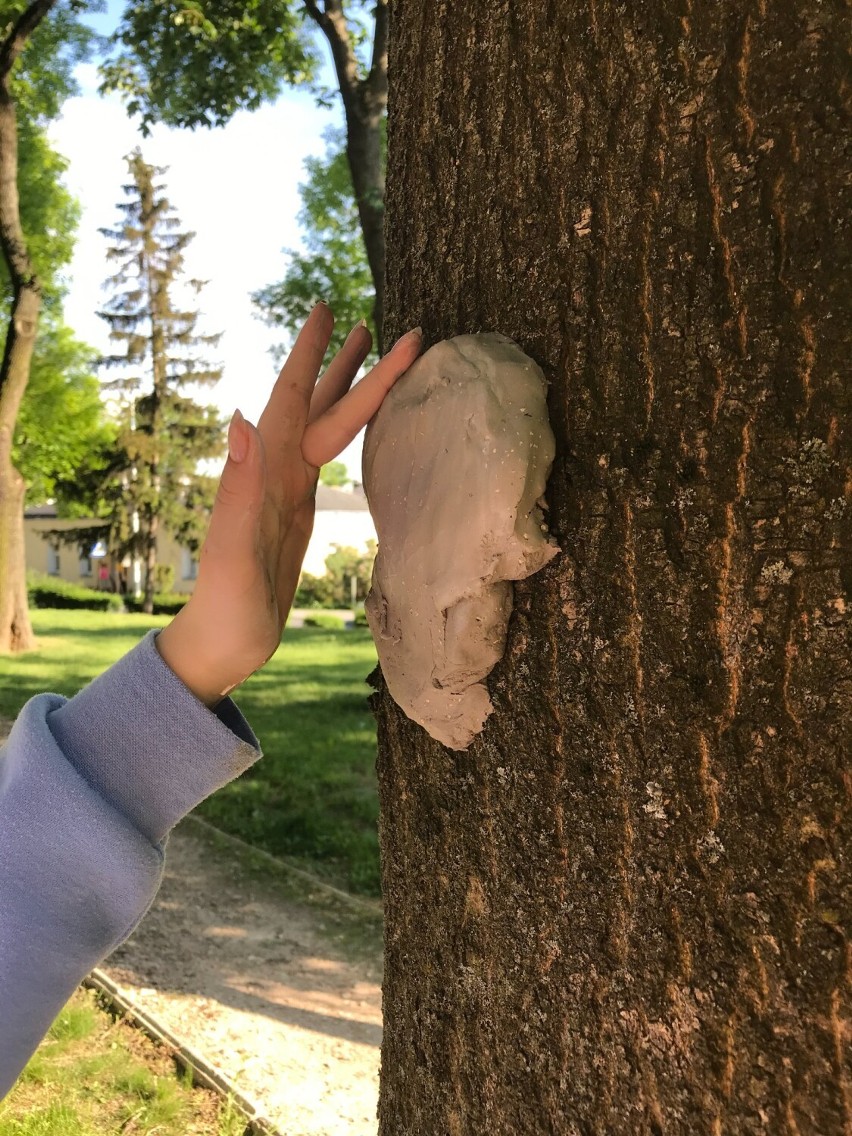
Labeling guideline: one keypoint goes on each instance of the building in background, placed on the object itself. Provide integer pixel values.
(342, 518)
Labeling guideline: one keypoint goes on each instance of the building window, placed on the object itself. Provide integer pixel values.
(85, 566)
(53, 560)
(189, 565)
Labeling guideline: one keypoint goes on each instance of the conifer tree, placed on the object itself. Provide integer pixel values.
(166, 433)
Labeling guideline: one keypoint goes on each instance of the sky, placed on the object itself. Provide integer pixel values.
(236, 187)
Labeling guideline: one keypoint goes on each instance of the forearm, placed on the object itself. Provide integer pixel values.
(89, 789)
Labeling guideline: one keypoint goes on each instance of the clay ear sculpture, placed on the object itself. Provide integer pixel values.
(455, 466)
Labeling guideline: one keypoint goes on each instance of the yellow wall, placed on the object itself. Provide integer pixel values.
(39, 558)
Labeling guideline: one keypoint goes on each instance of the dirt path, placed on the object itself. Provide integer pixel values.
(272, 980)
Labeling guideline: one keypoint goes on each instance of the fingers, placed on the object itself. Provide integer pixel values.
(343, 368)
(285, 414)
(332, 432)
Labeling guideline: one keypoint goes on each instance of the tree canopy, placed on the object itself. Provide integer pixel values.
(334, 265)
(62, 429)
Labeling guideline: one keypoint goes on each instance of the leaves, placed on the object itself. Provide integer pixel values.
(196, 62)
(334, 267)
(164, 434)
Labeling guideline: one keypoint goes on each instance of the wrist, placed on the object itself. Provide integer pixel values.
(184, 651)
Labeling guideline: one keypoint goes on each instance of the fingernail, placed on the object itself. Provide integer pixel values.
(358, 326)
(361, 323)
(238, 438)
(321, 304)
(417, 331)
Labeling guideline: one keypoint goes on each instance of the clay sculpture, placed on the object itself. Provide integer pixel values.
(455, 466)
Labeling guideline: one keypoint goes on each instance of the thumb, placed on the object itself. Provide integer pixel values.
(240, 492)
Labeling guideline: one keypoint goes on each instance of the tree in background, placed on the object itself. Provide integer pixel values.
(165, 434)
(346, 581)
(33, 84)
(63, 435)
(625, 910)
(196, 62)
(334, 473)
(334, 267)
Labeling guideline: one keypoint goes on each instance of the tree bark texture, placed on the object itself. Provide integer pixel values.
(625, 909)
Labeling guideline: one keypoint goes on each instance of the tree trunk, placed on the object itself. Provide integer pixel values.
(15, 630)
(364, 105)
(16, 633)
(364, 153)
(625, 908)
(152, 525)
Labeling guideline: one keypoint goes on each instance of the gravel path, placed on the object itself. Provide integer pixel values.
(272, 980)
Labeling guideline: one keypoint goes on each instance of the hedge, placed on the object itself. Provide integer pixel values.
(48, 591)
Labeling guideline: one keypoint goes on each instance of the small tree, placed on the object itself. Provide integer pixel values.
(197, 63)
(165, 434)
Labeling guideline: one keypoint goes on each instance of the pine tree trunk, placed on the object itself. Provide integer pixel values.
(152, 527)
(625, 909)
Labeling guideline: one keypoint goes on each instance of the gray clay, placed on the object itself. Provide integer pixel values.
(455, 466)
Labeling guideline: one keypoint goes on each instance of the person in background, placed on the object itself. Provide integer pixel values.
(91, 786)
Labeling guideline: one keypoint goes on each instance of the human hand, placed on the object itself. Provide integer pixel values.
(263, 515)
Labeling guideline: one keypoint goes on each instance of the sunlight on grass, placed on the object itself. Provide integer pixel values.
(93, 1076)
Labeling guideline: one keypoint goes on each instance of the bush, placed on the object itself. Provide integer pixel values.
(164, 604)
(334, 589)
(314, 591)
(361, 616)
(47, 591)
(328, 622)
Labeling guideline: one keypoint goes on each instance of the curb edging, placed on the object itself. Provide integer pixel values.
(202, 1072)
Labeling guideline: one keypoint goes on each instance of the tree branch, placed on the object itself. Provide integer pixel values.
(21, 31)
(377, 80)
(332, 22)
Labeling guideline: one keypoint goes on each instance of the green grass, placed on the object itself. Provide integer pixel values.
(94, 1076)
(312, 798)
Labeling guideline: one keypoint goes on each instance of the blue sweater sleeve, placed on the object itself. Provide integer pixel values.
(89, 789)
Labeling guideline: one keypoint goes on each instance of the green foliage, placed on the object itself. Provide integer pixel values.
(165, 434)
(334, 266)
(43, 76)
(164, 577)
(345, 563)
(63, 434)
(42, 79)
(325, 621)
(334, 589)
(46, 591)
(165, 603)
(49, 213)
(314, 591)
(93, 1076)
(334, 473)
(196, 62)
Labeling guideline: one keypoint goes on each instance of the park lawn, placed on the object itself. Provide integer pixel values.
(312, 799)
(95, 1076)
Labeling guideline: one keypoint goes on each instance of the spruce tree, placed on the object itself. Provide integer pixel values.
(166, 433)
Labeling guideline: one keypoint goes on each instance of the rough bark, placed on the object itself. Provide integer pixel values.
(15, 629)
(364, 106)
(626, 908)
